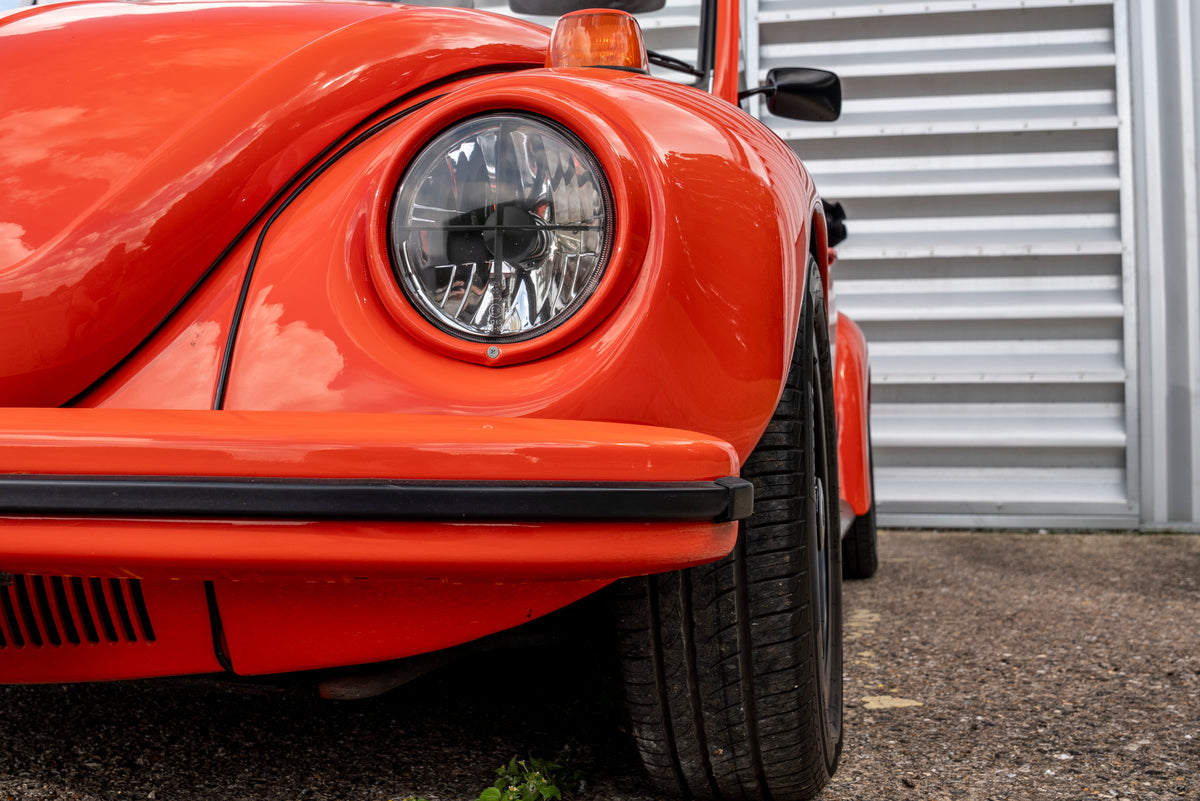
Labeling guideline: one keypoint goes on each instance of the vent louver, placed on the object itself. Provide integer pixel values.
(62, 611)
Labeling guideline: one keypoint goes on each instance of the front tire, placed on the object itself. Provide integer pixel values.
(733, 670)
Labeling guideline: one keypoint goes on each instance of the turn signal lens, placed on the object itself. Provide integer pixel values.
(598, 38)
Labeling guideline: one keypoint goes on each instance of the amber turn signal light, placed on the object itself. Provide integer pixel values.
(598, 38)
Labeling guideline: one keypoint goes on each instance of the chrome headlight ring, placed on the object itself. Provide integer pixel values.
(501, 228)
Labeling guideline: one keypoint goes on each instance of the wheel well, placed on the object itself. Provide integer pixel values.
(818, 245)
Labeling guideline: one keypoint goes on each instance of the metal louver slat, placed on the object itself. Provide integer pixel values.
(956, 175)
(1060, 114)
(787, 10)
(1013, 426)
(1088, 298)
(978, 161)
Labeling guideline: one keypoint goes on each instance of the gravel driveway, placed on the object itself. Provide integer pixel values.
(978, 666)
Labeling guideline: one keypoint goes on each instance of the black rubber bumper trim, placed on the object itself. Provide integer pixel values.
(720, 501)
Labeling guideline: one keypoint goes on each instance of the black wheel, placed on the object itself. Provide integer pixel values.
(733, 670)
(860, 546)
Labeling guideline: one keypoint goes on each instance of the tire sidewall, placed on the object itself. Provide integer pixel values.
(829, 658)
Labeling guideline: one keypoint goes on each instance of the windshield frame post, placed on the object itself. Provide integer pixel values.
(722, 41)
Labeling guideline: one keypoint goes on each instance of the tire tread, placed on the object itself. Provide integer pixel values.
(726, 704)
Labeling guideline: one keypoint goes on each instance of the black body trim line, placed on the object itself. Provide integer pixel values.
(316, 172)
(218, 629)
(720, 501)
(303, 179)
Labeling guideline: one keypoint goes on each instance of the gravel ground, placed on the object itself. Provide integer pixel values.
(978, 666)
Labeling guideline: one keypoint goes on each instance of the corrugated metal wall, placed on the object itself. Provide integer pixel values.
(980, 158)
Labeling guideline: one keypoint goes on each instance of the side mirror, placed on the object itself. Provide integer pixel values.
(801, 93)
(556, 8)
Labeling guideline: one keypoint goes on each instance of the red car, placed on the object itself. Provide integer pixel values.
(337, 333)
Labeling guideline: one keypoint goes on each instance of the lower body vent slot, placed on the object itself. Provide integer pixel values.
(54, 611)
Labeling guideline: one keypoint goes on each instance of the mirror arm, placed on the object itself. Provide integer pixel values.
(766, 89)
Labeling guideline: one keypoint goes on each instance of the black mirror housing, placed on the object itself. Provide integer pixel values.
(803, 93)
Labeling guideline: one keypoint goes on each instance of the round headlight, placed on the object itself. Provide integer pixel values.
(501, 228)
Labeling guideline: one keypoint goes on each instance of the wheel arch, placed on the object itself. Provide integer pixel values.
(818, 246)
(852, 381)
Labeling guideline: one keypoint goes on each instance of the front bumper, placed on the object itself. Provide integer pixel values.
(208, 495)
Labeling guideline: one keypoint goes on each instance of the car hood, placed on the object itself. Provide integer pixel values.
(138, 140)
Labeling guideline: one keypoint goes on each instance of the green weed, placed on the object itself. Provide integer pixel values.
(532, 780)
(535, 780)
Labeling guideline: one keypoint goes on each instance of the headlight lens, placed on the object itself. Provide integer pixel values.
(501, 228)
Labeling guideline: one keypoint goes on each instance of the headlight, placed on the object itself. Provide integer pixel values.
(501, 228)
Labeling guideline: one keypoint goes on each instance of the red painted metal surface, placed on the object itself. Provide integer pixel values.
(852, 394)
(345, 445)
(727, 72)
(276, 627)
(200, 114)
(185, 354)
(152, 179)
(315, 551)
(686, 168)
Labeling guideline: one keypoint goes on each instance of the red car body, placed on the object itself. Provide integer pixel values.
(228, 441)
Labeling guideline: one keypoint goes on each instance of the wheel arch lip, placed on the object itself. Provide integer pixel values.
(819, 247)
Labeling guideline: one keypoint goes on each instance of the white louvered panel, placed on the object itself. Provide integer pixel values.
(970, 299)
(977, 159)
(1023, 449)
